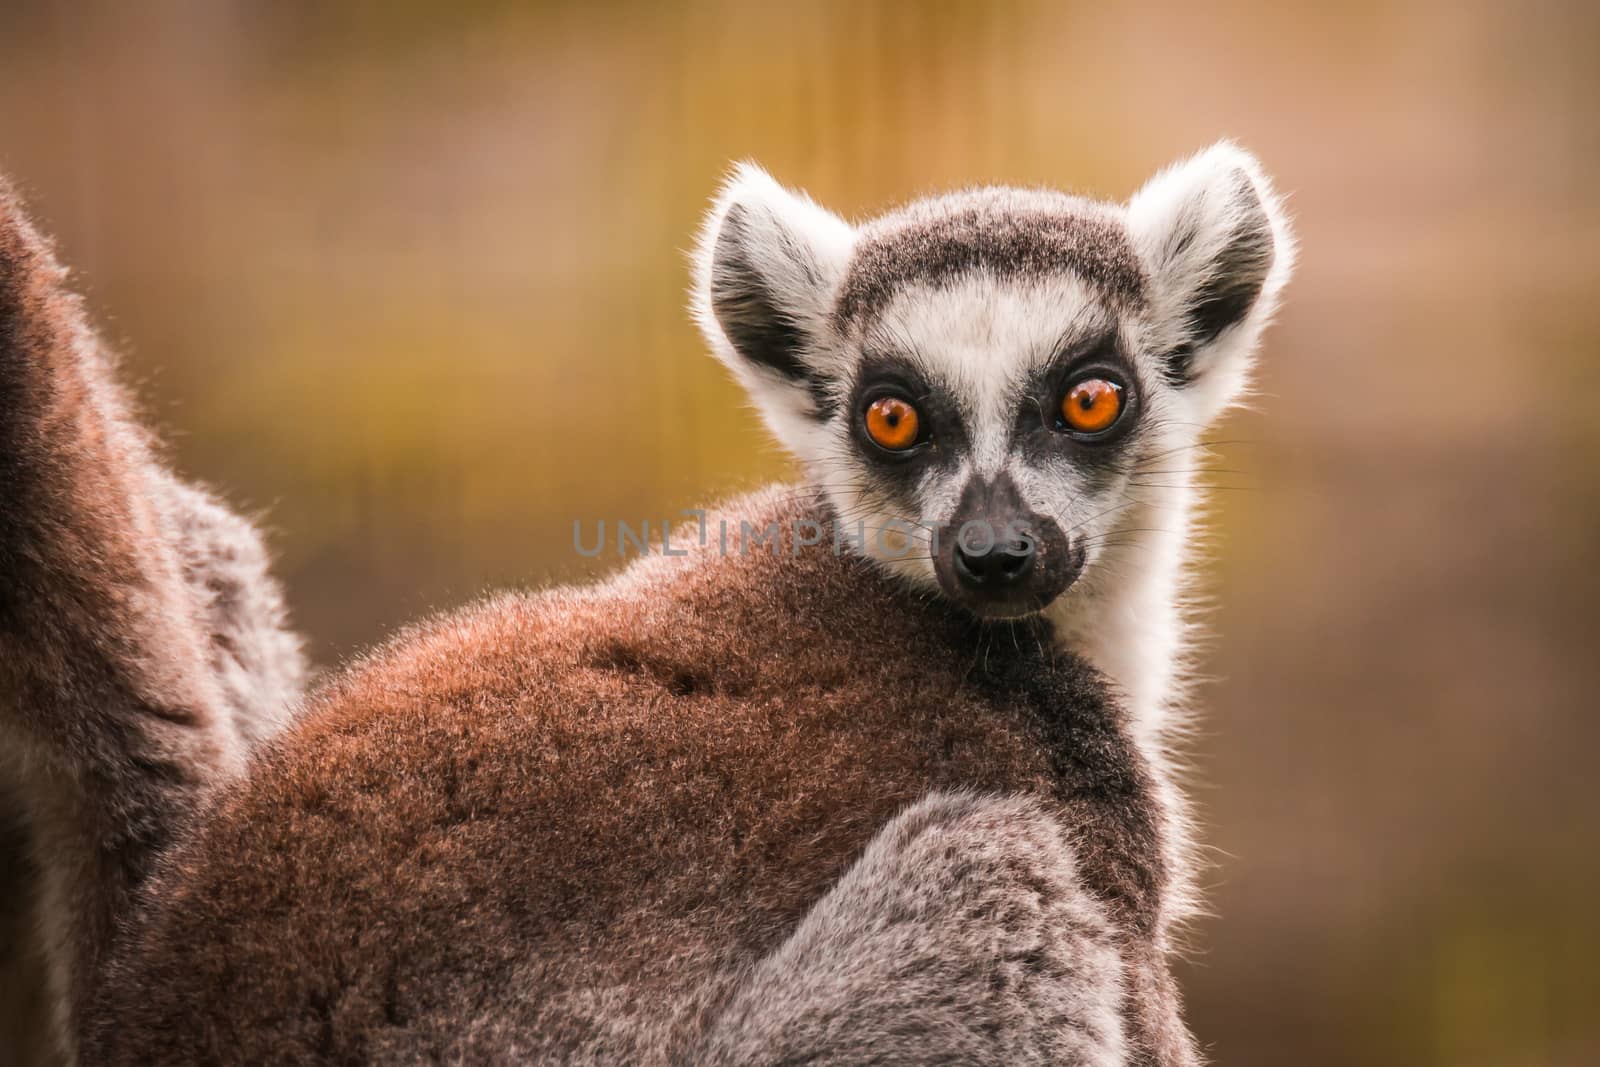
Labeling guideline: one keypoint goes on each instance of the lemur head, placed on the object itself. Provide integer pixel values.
(986, 381)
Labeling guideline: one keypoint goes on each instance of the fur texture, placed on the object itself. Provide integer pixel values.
(142, 645)
(887, 960)
(738, 806)
(257, 659)
(562, 826)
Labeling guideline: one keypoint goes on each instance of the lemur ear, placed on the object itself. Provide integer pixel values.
(766, 269)
(1217, 244)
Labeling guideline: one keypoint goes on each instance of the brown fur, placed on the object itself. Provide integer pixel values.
(25, 1031)
(728, 808)
(548, 811)
(116, 710)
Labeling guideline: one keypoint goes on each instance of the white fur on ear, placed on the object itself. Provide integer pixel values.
(1217, 243)
(766, 268)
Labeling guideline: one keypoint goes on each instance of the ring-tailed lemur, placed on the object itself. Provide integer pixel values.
(1050, 365)
(727, 807)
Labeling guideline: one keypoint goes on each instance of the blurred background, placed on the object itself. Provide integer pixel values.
(408, 280)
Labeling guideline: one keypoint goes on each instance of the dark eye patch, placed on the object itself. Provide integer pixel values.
(1034, 434)
(945, 438)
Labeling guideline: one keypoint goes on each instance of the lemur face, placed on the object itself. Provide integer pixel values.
(988, 385)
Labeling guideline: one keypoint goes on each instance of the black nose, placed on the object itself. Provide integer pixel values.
(997, 565)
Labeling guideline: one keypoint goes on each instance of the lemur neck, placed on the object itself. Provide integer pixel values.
(1129, 620)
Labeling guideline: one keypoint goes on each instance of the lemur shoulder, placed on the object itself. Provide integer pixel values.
(728, 807)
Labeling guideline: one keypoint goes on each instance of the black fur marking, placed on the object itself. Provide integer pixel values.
(1177, 366)
(1236, 277)
(997, 505)
(824, 402)
(897, 476)
(1103, 780)
(752, 314)
(1035, 434)
(1007, 241)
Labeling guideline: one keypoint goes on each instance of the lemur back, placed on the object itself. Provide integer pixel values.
(738, 806)
(575, 819)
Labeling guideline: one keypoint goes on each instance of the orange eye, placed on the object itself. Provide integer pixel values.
(892, 423)
(1092, 406)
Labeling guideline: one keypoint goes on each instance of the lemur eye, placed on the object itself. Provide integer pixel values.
(892, 423)
(1092, 406)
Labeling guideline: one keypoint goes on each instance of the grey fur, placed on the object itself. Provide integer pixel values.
(1006, 233)
(962, 935)
(257, 659)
